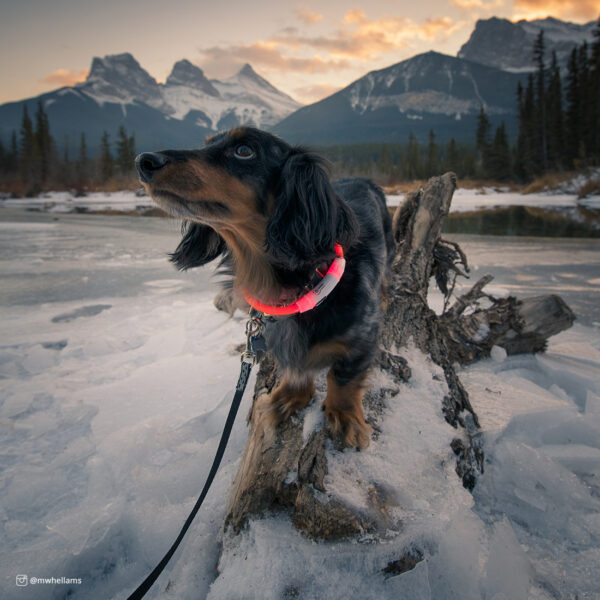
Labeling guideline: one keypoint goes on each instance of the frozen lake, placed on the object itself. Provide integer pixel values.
(115, 377)
(69, 257)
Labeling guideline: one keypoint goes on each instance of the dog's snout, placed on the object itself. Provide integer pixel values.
(148, 163)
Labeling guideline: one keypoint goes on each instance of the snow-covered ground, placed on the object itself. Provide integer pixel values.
(463, 200)
(484, 198)
(116, 374)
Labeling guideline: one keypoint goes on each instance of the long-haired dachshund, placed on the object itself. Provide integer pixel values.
(272, 210)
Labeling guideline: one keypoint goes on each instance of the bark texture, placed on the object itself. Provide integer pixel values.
(466, 332)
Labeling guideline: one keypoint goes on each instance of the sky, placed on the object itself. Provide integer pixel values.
(306, 49)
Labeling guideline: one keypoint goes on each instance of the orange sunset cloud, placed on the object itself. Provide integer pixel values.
(587, 10)
(309, 17)
(358, 38)
(65, 77)
(484, 5)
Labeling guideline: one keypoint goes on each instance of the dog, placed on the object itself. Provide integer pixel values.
(272, 211)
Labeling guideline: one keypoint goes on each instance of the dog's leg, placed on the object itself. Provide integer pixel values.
(343, 408)
(292, 395)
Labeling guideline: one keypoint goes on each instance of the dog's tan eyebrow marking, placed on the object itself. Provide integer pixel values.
(236, 133)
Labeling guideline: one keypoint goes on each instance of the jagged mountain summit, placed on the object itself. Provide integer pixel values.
(428, 91)
(179, 113)
(509, 46)
(245, 98)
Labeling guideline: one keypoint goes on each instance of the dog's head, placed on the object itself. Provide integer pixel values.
(249, 191)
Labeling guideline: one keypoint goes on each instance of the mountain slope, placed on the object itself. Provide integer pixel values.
(428, 91)
(509, 46)
(180, 112)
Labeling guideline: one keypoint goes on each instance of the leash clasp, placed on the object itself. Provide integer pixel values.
(255, 342)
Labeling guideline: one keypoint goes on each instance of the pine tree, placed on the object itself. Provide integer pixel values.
(65, 170)
(125, 151)
(527, 165)
(482, 142)
(3, 153)
(499, 161)
(413, 158)
(43, 145)
(594, 95)
(584, 103)
(573, 132)
(26, 153)
(540, 102)
(12, 157)
(82, 164)
(554, 103)
(452, 161)
(132, 153)
(384, 161)
(432, 162)
(106, 159)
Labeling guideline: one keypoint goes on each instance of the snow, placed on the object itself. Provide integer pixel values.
(120, 79)
(116, 374)
(65, 202)
(463, 200)
(487, 197)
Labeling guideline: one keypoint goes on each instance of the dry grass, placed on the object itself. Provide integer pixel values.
(467, 184)
(14, 187)
(589, 188)
(118, 183)
(549, 181)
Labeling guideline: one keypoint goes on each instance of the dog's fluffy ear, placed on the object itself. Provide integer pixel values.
(200, 244)
(309, 217)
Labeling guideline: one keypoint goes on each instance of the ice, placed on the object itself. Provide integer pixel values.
(84, 311)
(498, 354)
(508, 573)
(116, 375)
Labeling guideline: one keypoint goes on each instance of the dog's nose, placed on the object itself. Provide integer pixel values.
(148, 163)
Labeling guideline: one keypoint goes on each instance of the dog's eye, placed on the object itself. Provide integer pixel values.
(244, 152)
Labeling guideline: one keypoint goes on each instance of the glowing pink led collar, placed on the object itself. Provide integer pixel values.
(312, 298)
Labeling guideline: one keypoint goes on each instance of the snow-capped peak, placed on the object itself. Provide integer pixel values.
(509, 46)
(120, 78)
(188, 74)
(244, 98)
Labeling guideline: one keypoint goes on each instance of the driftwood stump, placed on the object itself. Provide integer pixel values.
(284, 469)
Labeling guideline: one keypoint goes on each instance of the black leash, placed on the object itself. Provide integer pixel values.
(255, 345)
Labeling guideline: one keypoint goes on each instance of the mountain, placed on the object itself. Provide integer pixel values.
(178, 113)
(509, 46)
(428, 91)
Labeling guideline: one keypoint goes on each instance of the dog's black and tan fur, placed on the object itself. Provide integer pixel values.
(273, 210)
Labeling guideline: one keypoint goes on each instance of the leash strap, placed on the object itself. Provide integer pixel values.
(254, 342)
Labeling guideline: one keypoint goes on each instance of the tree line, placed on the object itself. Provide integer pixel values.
(559, 118)
(32, 162)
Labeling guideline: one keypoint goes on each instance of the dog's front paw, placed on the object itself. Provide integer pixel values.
(287, 400)
(349, 427)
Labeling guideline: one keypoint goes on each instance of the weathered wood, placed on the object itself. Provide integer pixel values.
(518, 326)
(280, 469)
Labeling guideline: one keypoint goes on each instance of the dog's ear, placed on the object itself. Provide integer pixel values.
(200, 244)
(308, 217)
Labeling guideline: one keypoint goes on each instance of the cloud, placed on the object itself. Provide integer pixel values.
(314, 93)
(65, 77)
(266, 55)
(586, 10)
(357, 39)
(364, 39)
(308, 16)
(477, 5)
